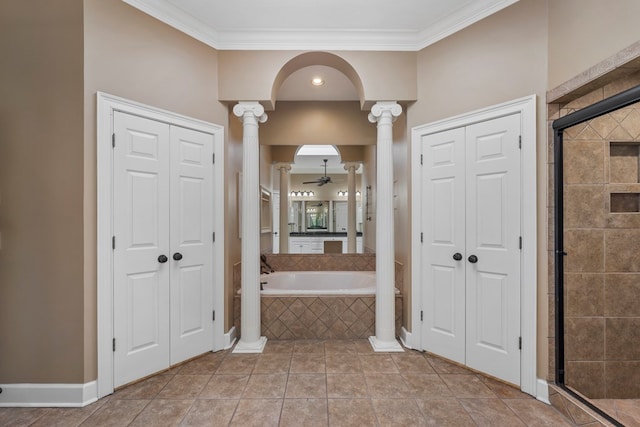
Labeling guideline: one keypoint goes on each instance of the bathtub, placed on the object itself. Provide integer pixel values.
(319, 283)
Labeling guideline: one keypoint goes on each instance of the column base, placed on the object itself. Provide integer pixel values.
(379, 346)
(250, 347)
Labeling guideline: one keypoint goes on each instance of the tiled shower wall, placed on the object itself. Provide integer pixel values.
(602, 241)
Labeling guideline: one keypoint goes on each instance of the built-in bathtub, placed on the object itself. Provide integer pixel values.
(318, 305)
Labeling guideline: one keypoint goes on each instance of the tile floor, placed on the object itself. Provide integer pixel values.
(627, 411)
(306, 383)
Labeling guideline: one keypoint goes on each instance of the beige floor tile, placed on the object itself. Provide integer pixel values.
(391, 386)
(116, 413)
(161, 412)
(20, 416)
(304, 412)
(445, 413)
(491, 412)
(345, 363)
(628, 411)
(426, 386)
(265, 386)
(184, 387)
(398, 412)
(378, 363)
(225, 387)
(309, 346)
(145, 389)
(272, 363)
(208, 412)
(274, 346)
(351, 412)
(363, 347)
(340, 347)
(257, 413)
(413, 363)
(204, 365)
(307, 363)
(467, 386)
(346, 386)
(306, 386)
(63, 417)
(442, 366)
(238, 364)
(536, 414)
(502, 390)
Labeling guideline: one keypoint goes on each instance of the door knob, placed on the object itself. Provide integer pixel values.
(162, 259)
(177, 256)
(457, 256)
(473, 259)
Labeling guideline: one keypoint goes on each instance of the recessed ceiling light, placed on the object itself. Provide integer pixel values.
(317, 81)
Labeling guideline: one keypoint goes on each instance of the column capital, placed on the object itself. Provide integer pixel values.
(351, 165)
(281, 166)
(384, 108)
(250, 109)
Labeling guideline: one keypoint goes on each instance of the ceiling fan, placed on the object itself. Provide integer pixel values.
(323, 179)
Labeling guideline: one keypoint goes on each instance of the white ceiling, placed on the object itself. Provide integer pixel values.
(400, 25)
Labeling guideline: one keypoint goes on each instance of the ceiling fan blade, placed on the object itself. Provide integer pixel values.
(311, 182)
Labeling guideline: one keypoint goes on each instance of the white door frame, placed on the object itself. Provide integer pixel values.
(106, 105)
(528, 306)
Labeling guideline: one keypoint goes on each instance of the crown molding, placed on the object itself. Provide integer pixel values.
(318, 39)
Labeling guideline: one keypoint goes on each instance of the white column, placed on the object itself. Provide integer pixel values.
(284, 206)
(251, 114)
(384, 113)
(351, 206)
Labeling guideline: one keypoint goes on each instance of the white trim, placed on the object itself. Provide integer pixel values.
(51, 395)
(230, 338)
(107, 104)
(527, 108)
(406, 338)
(542, 391)
(319, 39)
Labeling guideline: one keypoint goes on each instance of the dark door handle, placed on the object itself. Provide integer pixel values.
(473, 259)
(177, 256)
(162, 259)
(457, 256)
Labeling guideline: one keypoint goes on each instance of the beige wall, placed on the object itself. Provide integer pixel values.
(41, 175)
(582, 33)
(500, 58)
(383, 75)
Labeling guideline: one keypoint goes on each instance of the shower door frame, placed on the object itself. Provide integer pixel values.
(615, 102)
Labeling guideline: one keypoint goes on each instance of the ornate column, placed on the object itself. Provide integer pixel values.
(284, 206)
(384, 113)
(351, 206)
(251, 113)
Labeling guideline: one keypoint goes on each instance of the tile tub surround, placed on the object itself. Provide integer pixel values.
(321, 317)
(307, 383)
(602, 225)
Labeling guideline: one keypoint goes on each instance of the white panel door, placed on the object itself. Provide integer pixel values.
(191, 239)
(141, 224)
(493, 237)
(443, 210)
(471, 234)
(341, 213)
(275, 222)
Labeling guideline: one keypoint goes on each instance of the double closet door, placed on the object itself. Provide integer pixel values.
(163, 245)
(471, 252)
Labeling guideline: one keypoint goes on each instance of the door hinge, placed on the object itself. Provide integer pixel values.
(421, 237)
(213, 317)
(421, 159)
(113, 242)
(214, 158)
(421, 315)
(519, 343)
(113, 344)
(520, 242)
(214, 236)
(113, 140)
(520, 142)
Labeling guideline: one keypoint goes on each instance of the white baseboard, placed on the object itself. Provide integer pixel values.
(230, 338)
(542, 391)
(48, 395)
(406, 338)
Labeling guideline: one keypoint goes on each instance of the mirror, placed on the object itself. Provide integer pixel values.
(317, 216)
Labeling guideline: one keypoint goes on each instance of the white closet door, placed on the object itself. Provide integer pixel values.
(493, 236)
(141, 227)
(443, 219)
(191, 255)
